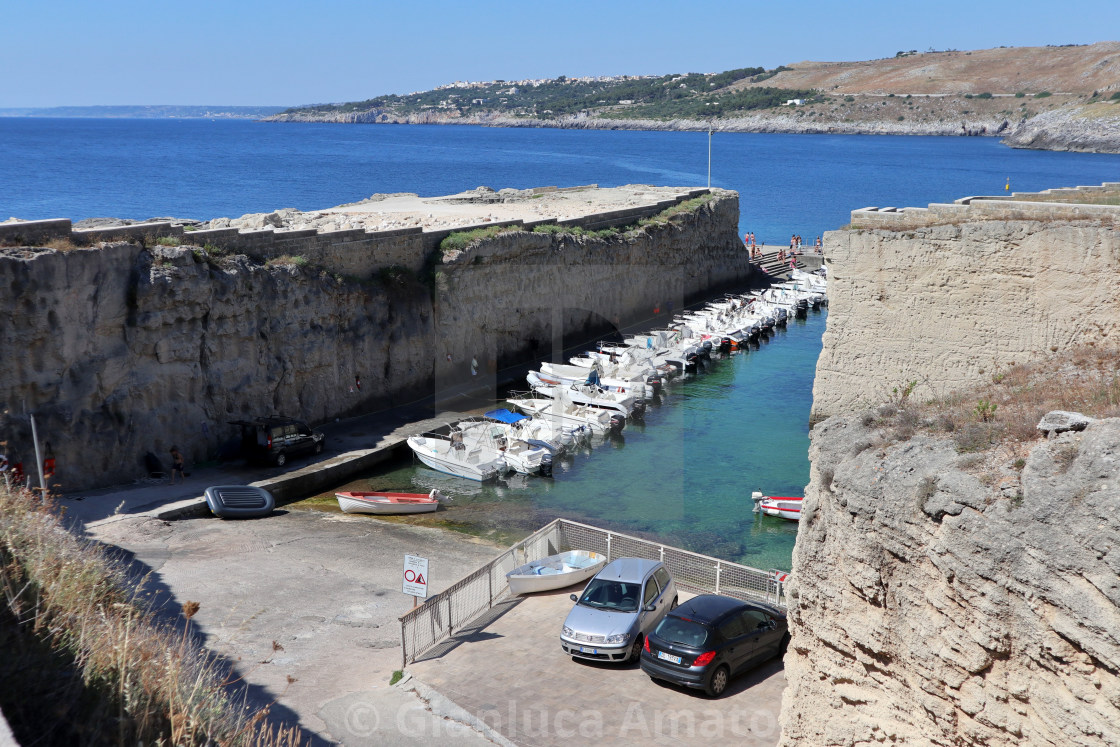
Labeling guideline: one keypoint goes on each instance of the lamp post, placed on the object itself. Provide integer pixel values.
(709, 154)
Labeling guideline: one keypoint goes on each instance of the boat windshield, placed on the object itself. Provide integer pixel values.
(617, 596)
(683, 631)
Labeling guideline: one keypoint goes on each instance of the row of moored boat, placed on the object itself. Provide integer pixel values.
(597, 392)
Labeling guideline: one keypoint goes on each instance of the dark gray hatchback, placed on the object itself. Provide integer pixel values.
(710, 639)
(276, 439)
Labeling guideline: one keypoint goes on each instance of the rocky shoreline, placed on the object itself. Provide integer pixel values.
(1064, 129)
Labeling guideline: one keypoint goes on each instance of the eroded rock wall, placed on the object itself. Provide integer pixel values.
(947, 303)
(122, 350)
(929, 609)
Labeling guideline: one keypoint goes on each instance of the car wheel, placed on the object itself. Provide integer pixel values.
(718, 681)
(635, 650)
(281, 459)
(784, 645)
(318, 447)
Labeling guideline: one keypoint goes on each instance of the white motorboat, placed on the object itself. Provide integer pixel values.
(564, 413)
(558, 374)
(627, 405)
(519, 455)
(384, 504)
(784, 507)
(555, 571)
(450, 455)
(538, 432)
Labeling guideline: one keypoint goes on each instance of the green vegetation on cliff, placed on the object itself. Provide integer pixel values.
(626, 97)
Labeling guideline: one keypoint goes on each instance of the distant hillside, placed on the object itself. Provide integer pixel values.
(147, 112)
(1080, 69)
(1002, 92)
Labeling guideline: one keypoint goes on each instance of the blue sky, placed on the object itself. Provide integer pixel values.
(282, 52)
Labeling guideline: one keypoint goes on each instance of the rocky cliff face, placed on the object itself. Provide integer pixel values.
(948, 304)
(1093, 128)
(122, 350)
(930, 607)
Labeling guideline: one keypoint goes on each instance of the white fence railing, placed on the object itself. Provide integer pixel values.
(453, 608)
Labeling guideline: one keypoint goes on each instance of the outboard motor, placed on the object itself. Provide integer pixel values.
(618, 422)
(780, 317)
(725, 344)
(706, 349)
(639, 408)
(802, 308)
(655, 384)
(691, 362)
(546, 465)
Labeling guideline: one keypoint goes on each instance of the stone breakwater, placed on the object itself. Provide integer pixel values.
(947, 295)
(927, 609)
(123, 349)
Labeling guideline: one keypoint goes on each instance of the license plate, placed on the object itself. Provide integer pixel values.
(586, 650)
(668, 657)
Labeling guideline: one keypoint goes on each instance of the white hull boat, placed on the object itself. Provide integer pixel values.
(439, 453)
(519, 455)
(569, 415)
(626, 405)
(386, 504)
(555, 571)
(557, 439)
(784, 507)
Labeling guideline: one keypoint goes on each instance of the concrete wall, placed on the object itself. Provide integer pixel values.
(949, 294)
(122, 349)
(357, 252)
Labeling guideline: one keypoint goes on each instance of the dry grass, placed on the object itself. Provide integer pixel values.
(86, 662)
(1004, 412)
(60, 244)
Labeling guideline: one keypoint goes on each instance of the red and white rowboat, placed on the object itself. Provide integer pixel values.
(785, 507)
(354, 502)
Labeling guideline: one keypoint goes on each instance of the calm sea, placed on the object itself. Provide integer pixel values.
(687, 475)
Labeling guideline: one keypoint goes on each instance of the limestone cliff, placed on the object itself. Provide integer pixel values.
(933, 608)
(945, 295)
(955, 577)
(120, 350)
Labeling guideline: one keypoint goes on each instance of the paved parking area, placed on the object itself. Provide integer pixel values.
(508, 671)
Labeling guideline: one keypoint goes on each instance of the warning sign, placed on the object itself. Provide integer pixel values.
(416, 576)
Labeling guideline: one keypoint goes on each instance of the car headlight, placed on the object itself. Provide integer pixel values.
(567, 631)
(618, 638)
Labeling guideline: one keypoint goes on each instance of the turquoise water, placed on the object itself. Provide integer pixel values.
(684, 476)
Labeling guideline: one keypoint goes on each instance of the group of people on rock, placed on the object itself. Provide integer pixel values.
(753, 248)
(783, 254)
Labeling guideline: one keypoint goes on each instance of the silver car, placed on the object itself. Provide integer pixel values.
(619, 606)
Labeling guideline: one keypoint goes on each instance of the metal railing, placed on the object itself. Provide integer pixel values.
(448, 612)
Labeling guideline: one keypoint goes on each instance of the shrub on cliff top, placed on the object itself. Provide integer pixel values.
(459, 240)
(85, 660)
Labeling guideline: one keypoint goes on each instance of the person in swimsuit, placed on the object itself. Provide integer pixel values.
(177, 465)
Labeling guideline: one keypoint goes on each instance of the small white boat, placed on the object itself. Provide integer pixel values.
(784, 507)
(358, 502)
(623, 403)
(452, 456)
(555, 571)
(566, 414)
(539, 432)
(519, 454)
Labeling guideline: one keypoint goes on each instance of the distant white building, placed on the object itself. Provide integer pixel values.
(795, 102)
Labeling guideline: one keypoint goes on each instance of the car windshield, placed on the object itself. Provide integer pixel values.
(618, 596)
(683, 631)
